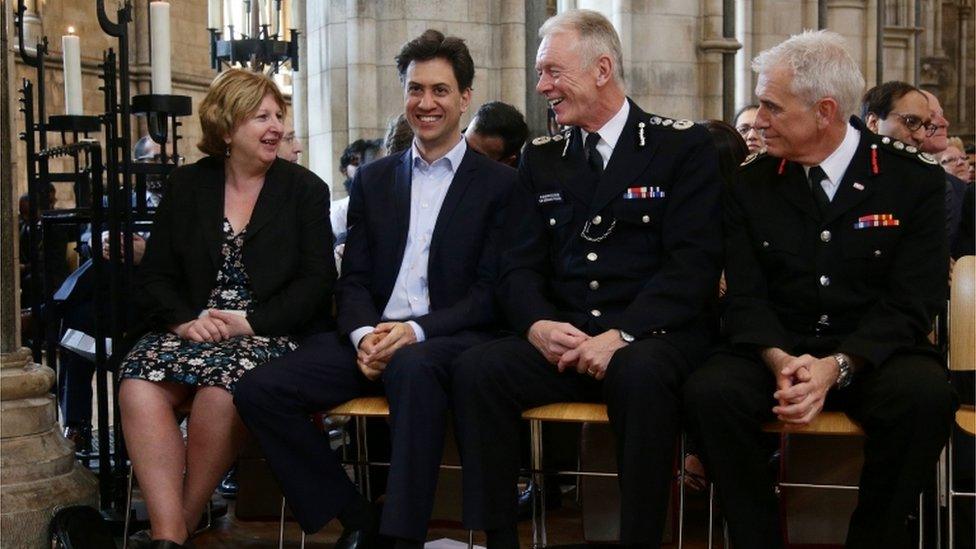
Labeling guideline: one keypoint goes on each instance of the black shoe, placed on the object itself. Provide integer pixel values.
(228, 486)
(356, 539)
(554, 498)
(81, 436)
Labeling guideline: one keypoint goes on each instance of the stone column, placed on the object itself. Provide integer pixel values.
(299, 80)
(38, 472)
(361, 56)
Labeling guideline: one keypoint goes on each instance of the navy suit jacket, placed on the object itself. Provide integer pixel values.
(463, 263)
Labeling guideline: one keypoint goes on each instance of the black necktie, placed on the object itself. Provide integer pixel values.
(814, 177)
(593, 157)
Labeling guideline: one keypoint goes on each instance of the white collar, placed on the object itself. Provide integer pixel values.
(836, 164)
(453, 156)
(610, 132)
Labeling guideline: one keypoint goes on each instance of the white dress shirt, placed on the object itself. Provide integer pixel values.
(610, 133)
(835, 165)
(428, 187)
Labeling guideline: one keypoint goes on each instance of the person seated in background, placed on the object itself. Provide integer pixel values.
(290, 147)
(358, 153)
(954, 162)
(399, 135)
(416, 289)
(899, 111)
(76, 300)
(901, 114)
(498, 131)
(936, 145)
(238, 265)
(743, 122)
(836, 262)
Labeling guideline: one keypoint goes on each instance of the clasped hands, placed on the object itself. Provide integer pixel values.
(377, 347)
(214, 326)
(567, 346)
(802, 383)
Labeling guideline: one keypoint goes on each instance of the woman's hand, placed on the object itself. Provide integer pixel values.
(237, 325)
(203, 329)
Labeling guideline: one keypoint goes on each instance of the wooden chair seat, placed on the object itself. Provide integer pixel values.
(569, 412)
(826, 423)
(966, 419)
(363, 406)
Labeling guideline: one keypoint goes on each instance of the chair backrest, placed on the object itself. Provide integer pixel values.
(962, 315)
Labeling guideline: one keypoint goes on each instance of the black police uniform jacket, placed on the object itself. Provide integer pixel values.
(870, 273)
(637, 249)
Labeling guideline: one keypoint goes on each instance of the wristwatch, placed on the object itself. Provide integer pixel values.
(846, 373)
(627, 338)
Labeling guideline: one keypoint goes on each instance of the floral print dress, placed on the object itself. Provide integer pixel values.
(164, 356)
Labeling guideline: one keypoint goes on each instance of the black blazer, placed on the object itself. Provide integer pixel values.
(649, 263)
(462, 266)
(287, 249)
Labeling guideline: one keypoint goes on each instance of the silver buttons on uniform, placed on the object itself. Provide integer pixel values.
(594, 285)
(596, 312)
(646, 219)
(552, 221)
(765, 244)
(824, 280)
(877, 253)
(825, 236)
(597, 220)
(591, 256)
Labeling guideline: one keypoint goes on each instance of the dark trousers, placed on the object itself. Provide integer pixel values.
(275, 401)
(495, 382)
(75, 389)
(905, 407)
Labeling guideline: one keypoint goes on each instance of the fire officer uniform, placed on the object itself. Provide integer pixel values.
(636, 248)
(863, 274)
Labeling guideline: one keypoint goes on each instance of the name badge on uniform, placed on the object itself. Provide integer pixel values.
(551, 198)
(637, 193)
(876, 220)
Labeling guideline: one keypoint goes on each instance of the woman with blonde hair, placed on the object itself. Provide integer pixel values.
(238, 266)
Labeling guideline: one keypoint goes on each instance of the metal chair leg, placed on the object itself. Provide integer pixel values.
(470, 539)
(711, 512)
(921, 524)
(538, 520)
(950, 526)
(128, 510)
(303, 539)
(681, 493)
(281, 525)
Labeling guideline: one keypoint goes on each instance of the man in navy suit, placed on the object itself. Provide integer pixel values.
(415, 290)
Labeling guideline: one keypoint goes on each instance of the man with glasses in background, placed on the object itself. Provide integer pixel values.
(743, 122)
(900, 112)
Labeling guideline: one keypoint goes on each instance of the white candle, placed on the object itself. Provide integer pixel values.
(71, 55)
(159, 34)
(215, 15)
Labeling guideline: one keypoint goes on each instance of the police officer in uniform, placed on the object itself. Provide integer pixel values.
(836, 266)
(610, 255)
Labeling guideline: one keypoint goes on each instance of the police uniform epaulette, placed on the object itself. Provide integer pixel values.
(901, 149)
(753, 158)
(664, 122)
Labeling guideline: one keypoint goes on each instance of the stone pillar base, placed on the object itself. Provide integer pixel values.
(38, 471)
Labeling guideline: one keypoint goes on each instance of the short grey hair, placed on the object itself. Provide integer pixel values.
(597, 37)
(821, 66)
